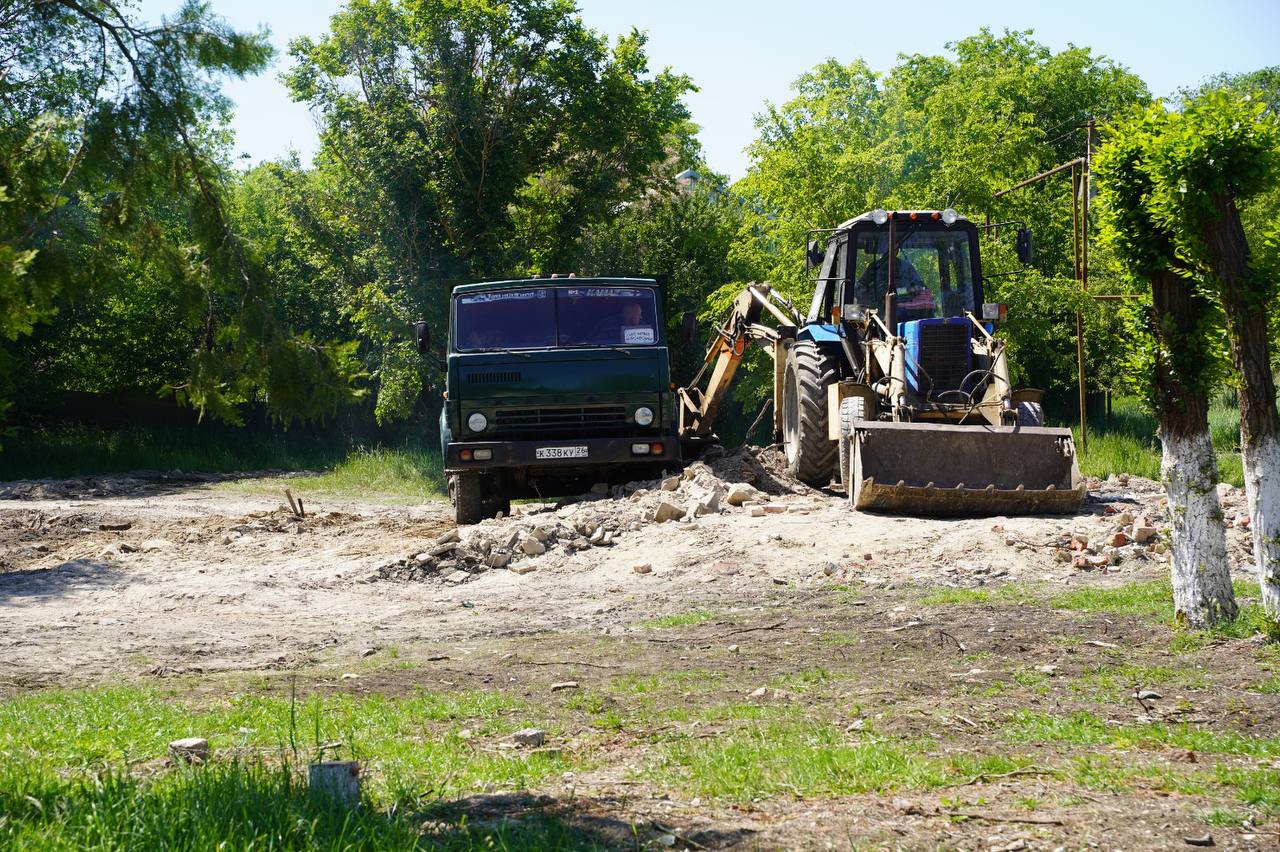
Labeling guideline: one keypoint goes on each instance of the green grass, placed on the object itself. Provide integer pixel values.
(403, 472)
(411, 740)
(410, 470)
(79, 770)
(681, 619)
(1126, 441)
(1087, 729)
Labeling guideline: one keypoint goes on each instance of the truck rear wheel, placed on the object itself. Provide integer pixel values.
(467, 495)
(811, 455)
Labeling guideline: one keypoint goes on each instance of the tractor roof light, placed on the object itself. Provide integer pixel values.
(949, 216)
(879, 216)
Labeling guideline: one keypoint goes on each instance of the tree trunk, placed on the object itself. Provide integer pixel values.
(1246, 310)
(1201, 575)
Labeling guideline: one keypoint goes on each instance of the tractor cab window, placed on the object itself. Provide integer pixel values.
(930, 272)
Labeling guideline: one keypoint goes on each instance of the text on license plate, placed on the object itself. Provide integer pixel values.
(561, 452)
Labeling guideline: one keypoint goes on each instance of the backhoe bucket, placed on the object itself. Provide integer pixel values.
(936, 469)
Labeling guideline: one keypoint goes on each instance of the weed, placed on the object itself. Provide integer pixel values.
(683, 619)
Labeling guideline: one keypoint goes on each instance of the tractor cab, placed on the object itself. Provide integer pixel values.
(913, 277)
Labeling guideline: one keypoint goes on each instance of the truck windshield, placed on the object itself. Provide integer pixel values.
(545, 317)
(932, 273)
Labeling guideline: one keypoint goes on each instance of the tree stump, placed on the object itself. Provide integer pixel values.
(336, 780)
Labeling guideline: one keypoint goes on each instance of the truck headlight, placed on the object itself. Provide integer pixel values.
(879, 216)
(477, 422)
(949, 216)
(644, 416)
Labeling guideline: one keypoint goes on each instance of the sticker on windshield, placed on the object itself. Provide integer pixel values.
(637, 334)
(504, 296)
(606, 292)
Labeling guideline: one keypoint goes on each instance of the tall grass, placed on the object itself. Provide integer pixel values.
(79, 769)
(1126, 442)
(410, 469)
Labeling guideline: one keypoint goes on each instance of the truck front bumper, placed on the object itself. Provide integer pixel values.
(524, 454)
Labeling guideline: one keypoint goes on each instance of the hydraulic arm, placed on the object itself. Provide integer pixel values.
(698, 407)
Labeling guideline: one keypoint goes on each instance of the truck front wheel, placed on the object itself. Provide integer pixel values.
(467, 495)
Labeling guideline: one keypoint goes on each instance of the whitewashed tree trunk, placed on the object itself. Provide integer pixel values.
(1262, 488)
(1202, 593)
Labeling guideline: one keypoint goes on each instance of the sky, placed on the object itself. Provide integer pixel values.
(743, 54)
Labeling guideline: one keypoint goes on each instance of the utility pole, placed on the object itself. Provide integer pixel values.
(1079, 168)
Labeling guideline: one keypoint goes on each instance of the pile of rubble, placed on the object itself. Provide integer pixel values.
(725, 482)
(1128, 536)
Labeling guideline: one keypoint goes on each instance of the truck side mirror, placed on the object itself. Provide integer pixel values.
(422, 334)
(813, 255)
(689, 327)
(1023, 246)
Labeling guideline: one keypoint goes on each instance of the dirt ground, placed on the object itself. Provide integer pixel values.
(152, 576)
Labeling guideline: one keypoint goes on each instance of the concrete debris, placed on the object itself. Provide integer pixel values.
(667, 512)
(642, 568)
(563, 685)
(190, 749)
(529, 737)
(533, 547)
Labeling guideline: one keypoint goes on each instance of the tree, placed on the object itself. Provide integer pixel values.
(464, 139)
(941, 131)
(1221, 150)
(110, 155)
(1178, 359)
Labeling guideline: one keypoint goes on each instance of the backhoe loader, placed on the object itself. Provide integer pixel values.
(895, 383)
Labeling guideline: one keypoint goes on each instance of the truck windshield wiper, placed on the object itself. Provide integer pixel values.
(510, 352)
(626, 352)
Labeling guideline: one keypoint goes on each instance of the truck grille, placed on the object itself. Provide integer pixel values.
(510, 377)
(592, 418)
(944, 355)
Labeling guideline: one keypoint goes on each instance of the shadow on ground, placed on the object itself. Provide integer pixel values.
(76, 575)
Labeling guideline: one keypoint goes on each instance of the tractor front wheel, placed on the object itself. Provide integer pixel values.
(811, 455)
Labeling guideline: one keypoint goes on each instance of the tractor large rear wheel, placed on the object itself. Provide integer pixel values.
(811, 455)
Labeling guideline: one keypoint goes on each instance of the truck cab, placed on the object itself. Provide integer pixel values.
(553, 385)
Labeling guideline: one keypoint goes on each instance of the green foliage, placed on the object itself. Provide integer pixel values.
(1167, 359)
(941, 131)
(111, 155)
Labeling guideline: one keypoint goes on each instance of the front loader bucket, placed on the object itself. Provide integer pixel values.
(937, 469)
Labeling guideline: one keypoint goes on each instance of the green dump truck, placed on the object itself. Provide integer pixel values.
(554, 385)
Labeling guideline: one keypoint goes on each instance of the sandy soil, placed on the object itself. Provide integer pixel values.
(129, 575)
(158, 575)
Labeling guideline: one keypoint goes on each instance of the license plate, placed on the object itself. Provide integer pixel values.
(561, 452)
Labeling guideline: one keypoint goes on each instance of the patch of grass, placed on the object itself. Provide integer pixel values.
(682, 619)
(1087, 729)
(798, 758)
(1112, 775)
(1126, 441)
(411, 739)
(408, 471)
(1224, 818)
(411, 469)
(1270, 686)
(1114, 682)
(236, 805)
(69, 776)
(1151, 599)
(1259, 788)
(1011, 593)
